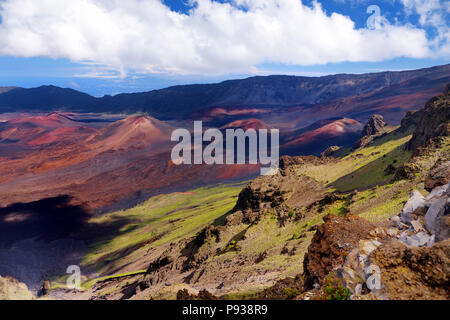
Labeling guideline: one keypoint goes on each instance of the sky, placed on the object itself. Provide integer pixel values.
(113, 46)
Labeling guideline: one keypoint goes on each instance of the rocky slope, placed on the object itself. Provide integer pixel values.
(11, 289)
(406, 256)
(318, 223)
(180, 101)
(409, 253)
(340, 131)
(434, 122)
(374, 128)
(96, 165)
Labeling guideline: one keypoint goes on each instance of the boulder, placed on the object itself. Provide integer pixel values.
(443, 228)
(434, 214)
(417, 226)
(418, 240)
(332, 242)
(439, 175)
(437, 218)
(396, 221)
(438, 192)
(375, 126)
(415, 203)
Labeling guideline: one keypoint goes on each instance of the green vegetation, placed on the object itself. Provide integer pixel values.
(362, 168)
(160, 220)
(273, 246)
(388, 208)
(291, 293)
(89, 284)
(334, 289)
(232, 245)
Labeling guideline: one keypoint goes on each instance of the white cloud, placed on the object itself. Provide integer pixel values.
(214, 38)
(434, 14)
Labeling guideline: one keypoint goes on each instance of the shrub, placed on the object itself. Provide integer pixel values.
(291, 293)
(334, 289)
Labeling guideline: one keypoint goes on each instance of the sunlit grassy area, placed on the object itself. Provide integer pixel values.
(428, 160)
(159, 220)
(267, 248)
(387, 209)
(363, 167)
(89, 284)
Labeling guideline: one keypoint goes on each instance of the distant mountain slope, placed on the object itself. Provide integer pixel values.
(271, 91)
(6, 89)
(45, 98)
(322, 134)
(132, 132)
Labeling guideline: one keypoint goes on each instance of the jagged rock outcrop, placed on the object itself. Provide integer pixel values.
(437, 218)
(407, 171)
(375, 127)
(413, 273)
(287, 188)
(439, 175)
(406, 257)
(331, 243)
(202, 295)
(415, 205)
(11, 289)
(434, 123)
(328, 152)
(411, 120)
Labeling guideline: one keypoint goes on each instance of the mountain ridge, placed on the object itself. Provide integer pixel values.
(262, 91)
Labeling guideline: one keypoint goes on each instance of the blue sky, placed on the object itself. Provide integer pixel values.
(181, 42)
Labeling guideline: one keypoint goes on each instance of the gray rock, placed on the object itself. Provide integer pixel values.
(442, 228)
(396, 221)
(434, 213)
(392, 232)
(418, 240)
(417, 226)
(402, 237)
(416, 201)
(438, 192)
(431, 241)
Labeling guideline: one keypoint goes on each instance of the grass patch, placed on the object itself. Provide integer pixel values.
(363, 167)
(385, 210)
(90, 283)
(374, 172)
(161, 219)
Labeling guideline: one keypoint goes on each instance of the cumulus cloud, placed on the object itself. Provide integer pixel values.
(434, 14)
(212, 38)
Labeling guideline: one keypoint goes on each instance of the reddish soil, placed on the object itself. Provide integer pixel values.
(247, 124)
(96, 167)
